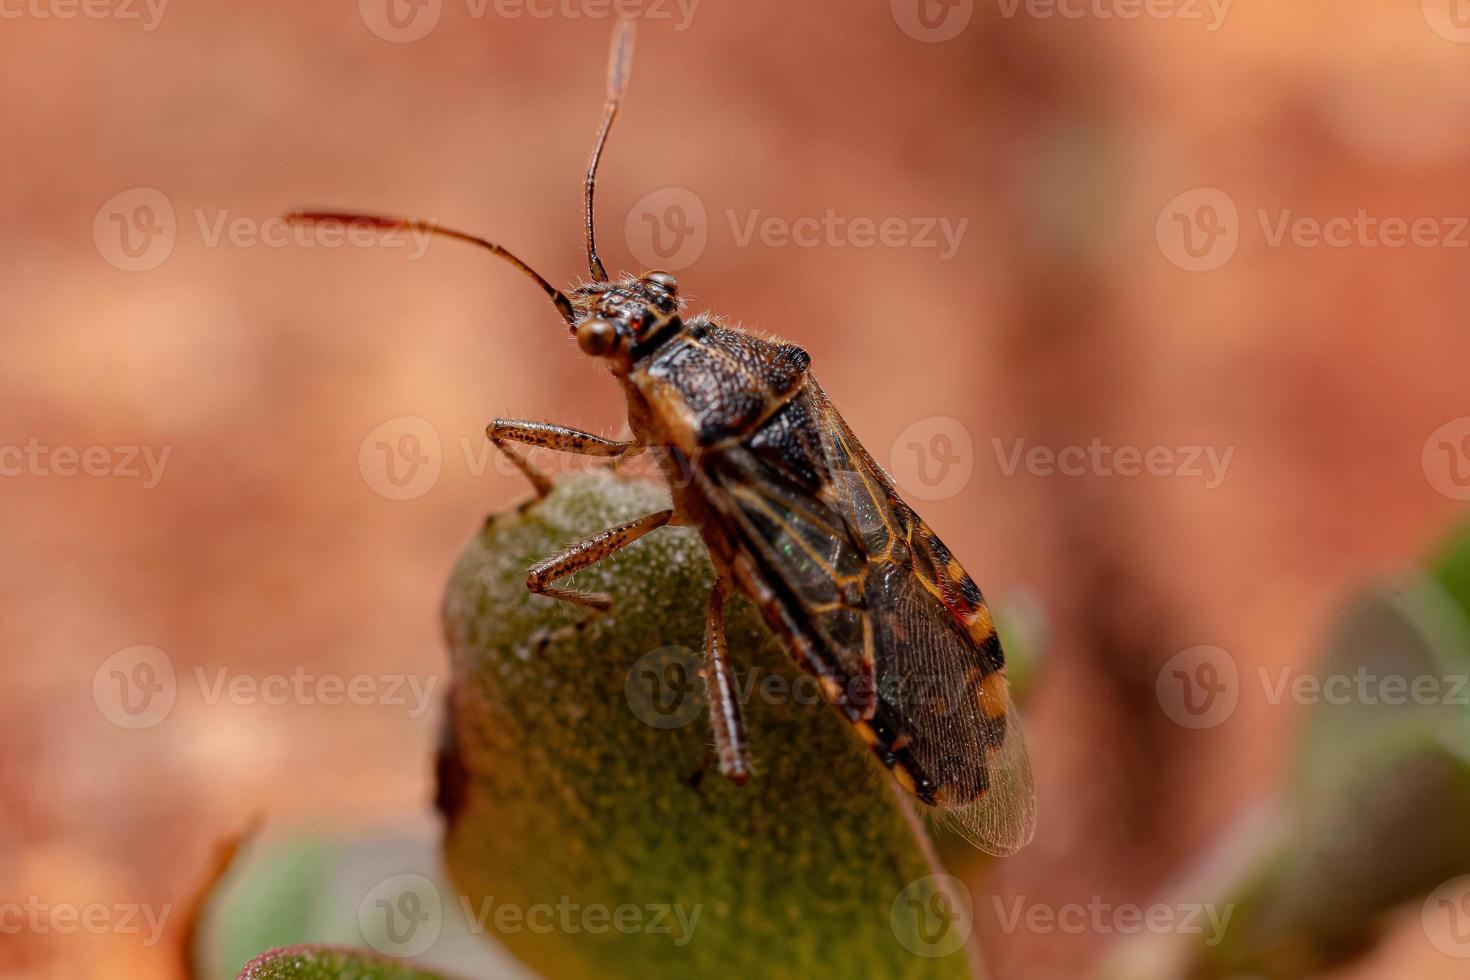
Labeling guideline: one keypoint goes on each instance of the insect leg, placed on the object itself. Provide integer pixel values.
(503, 432)
(722, 696)
(589, 551)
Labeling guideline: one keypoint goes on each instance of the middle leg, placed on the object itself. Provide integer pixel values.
(722, 695)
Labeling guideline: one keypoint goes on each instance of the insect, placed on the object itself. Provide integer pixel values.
(797, 516)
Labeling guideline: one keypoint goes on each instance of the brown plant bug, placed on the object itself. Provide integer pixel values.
(798, 517)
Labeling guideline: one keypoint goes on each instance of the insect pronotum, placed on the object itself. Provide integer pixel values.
(798, 517)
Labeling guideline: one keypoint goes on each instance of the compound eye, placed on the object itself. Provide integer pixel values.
(664, 279)
(597, 336)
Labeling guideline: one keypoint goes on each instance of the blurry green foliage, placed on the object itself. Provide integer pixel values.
(328, 963)
(1377, 815)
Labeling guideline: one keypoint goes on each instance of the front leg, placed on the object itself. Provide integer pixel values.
(589, 551)
(503, 432)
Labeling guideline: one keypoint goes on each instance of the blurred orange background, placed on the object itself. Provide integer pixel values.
(1114, 185)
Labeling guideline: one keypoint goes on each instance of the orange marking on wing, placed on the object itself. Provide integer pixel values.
(980, 625)
(993, 694)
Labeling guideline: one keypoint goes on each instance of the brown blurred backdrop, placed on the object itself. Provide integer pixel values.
(1083, 298)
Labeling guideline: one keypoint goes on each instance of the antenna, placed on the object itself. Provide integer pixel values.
(563, 305)
(619, 61)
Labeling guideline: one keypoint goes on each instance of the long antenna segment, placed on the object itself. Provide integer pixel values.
(619, 62)
(388, 223)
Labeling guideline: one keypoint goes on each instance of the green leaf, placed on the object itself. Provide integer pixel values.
(1379, 814)
(328, 963)
(1382, 814)
(276, 906)
(1451, 567)
(1408, 633)
(571, 778)
(300, 890)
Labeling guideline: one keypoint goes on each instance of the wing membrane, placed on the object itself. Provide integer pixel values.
(874, 601)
